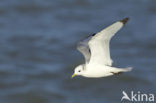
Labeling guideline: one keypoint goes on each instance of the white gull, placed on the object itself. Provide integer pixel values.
(96, 52)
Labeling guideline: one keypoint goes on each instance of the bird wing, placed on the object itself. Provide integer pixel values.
(99, 44)
(83, 47)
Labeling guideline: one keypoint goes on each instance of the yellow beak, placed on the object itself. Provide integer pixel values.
(73, 75)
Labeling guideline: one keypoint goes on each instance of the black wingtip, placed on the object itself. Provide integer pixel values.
(124, 21)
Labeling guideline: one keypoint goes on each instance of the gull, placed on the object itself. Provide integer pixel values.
(96, 52)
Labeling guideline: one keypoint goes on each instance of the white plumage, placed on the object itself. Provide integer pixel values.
(96, 51)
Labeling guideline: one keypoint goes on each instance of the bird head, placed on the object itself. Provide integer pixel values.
(79, 70)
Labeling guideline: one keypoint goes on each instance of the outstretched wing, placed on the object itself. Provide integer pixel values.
(83, 47)
(99, 44)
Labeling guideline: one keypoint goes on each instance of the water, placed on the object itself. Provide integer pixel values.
(38, 49)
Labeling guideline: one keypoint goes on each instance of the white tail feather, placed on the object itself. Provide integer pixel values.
(128, 69)
(116, 70)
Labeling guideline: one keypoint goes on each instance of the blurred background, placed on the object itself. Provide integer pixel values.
(38, 49)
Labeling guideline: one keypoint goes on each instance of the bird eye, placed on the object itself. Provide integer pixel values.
(79, 71)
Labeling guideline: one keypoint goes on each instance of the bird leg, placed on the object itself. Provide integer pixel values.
(116, 73)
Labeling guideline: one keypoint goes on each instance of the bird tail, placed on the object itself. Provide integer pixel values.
(120, 70)
(128, 69)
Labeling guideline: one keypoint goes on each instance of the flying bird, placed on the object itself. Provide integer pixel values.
(96, 52)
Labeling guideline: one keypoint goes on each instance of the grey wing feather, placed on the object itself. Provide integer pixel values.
(83, 47)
